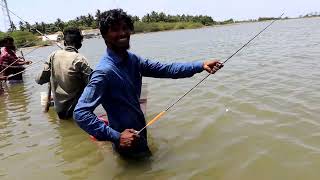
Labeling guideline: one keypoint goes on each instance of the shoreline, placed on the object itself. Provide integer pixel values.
(52, 43)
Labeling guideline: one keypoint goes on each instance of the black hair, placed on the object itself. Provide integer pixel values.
(72, 35)
(1, 45)
(113, 16)
(7, 39)
(1, 42)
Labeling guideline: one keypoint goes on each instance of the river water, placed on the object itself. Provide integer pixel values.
(257, 118)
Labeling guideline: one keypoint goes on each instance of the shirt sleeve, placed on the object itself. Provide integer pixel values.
(81, 65)
(44, 76)
(8, 56)
(89, 100)
(173, 70)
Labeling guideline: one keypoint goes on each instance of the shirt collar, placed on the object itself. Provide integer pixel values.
(114, 57)
(71, 49)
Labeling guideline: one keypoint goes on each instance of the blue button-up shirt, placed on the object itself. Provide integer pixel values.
(116, 85)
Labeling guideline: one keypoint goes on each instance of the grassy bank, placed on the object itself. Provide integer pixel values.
(164, 26)
(25, 39)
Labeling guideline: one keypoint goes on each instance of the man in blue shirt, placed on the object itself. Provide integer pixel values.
(116, 85)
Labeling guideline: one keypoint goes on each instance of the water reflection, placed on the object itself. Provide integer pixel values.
(80, 156)
(271, 130)
(13, 107)
(18, 101)
(4, 121)
(76, 153)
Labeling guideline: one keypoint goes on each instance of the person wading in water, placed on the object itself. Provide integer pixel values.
(10, 63)
(68, 72)
(116, 85)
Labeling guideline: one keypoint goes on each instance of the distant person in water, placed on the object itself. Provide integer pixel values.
(1, 44)
(9, 59)
(1, 74)
(116, 85)
(8, 52)
(2, 78)
(68, 72)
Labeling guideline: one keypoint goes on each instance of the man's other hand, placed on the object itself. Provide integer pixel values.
(212, 66)
(128, 138)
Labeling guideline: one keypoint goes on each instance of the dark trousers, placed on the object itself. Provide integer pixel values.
(139, 152)
(65, 114)
(14, 70)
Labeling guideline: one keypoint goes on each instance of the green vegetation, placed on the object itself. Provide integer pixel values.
(24, 38)
(163, 26)
(313, 14)
(266, 18)
(160, 22)
(229, 21)
(152, 22)
(162, 17)
(27, 34)
(149, 23)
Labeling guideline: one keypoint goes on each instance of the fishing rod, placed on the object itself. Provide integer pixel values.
(22, 55)
(20, 72)
(169, 107)
(19, 59)
(10, 65)
(12, 75)
(27, 44)
(29, 65)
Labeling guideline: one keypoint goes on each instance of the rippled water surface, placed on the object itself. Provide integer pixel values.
(257, 118)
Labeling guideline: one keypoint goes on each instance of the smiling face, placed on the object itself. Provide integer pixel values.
(118, 36)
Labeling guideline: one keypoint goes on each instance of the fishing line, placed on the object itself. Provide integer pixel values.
(27, 44)
(29, 67)
(32, 28)
(169, 107)
(9, 65)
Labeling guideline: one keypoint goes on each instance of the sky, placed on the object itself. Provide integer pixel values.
(48, 11)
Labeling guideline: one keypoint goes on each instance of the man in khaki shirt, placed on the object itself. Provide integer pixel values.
(68, 72)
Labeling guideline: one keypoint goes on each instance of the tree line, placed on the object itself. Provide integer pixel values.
(90, 21)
